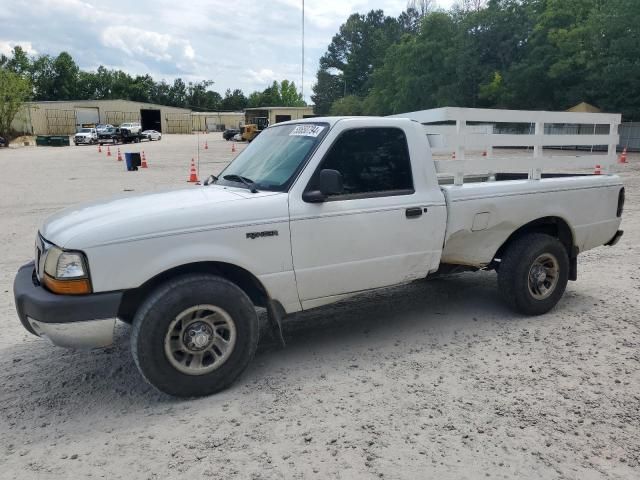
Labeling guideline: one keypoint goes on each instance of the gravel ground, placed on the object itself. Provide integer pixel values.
(436, 379)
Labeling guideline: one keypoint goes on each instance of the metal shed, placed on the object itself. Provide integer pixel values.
(264, 116)
(66, 117)
(215, 121)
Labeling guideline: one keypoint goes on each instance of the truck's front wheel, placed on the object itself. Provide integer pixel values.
(533, 273)
(194, 335)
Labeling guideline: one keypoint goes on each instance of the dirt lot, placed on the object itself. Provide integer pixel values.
(431, 380)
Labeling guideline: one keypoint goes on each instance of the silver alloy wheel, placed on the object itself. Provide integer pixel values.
(543, 276)
(200, 339)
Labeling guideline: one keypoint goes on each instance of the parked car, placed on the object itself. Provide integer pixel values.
(130, 136)
(110, 135)
(86, 136)
(237, 137)
(312, 212)
(133, 127)
(152, 135)
(229, 133)
(102, 127)
(3, 142)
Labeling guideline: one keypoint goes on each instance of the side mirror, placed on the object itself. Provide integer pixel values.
(329, 183)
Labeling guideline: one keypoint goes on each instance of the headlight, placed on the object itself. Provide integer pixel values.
(66, 272)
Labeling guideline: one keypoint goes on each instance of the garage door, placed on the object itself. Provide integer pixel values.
(282, 118)
(87, 117)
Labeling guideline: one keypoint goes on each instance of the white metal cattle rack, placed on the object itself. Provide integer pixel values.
(463, 131)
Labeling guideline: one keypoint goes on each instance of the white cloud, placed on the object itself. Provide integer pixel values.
(265, 75)
(236, 47)
(189, 52)
(137, 42)
(6, 47)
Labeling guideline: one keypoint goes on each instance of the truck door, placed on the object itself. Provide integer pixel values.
(385, 227)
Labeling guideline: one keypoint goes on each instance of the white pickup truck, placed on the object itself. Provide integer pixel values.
(309, 213)
(88, 136)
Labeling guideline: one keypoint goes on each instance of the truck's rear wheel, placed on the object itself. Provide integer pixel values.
(533, 273)
(194, 335)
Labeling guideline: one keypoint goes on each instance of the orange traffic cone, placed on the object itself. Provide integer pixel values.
(143, 163)
(99, 148)
(597, 170)
(119, 155)
(193, 175)
(206, 145)
(233, 147)
(484, 153)
(108, 151)
(453, 156)
(623, 157)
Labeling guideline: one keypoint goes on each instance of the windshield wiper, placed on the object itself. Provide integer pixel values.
(211, 179)
(250, 184)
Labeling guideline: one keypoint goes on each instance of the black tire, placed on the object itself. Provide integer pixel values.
(516, 267)
(153, 320)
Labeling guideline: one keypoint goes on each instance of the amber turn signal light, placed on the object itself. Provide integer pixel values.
(78, 286)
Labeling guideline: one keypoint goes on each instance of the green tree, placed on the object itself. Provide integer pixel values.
(283, 94)
(141, 88)
(14, 91)
(349, 105)
(289, 95)
(214, 100)
(197, 95)
(234, 100)
(612, 41)
(19, 61)
(419, 72)
(65, 77)
(352, 56)
(255, 100)
(42, 78)
(327, 89)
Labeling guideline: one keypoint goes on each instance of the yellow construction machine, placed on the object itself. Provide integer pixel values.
(249, 132)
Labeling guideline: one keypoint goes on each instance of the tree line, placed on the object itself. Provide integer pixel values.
(520, 54)
(60, 78)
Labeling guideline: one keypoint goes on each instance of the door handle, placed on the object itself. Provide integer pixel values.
(413, 212)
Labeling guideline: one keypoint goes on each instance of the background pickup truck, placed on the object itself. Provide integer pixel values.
(309, 213)
(119, 135)
(87, 136)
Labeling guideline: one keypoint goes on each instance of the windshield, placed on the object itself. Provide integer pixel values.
(272, 160)
(85, 130)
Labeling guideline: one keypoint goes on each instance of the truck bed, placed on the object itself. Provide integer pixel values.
(485, 211)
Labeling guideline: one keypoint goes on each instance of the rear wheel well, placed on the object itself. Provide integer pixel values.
(553, 226)
(244, 279)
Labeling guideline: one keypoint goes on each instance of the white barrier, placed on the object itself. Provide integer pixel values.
(453, 130)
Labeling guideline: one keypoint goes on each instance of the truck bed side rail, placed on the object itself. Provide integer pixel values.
(469, 135)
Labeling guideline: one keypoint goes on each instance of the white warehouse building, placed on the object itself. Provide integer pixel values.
(66, 117)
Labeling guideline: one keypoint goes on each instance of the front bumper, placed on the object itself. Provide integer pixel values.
(71, 321)
(82, 140)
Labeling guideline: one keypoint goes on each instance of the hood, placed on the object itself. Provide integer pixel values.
(127, 218)
(83, 134)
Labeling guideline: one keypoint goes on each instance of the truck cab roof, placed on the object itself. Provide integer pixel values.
(333, 120)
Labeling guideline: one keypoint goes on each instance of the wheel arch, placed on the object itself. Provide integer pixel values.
(241, 277)
(554, 226)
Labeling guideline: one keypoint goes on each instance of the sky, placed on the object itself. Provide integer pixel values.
(241, 44)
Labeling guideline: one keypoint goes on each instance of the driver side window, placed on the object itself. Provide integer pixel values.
(373, 162)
